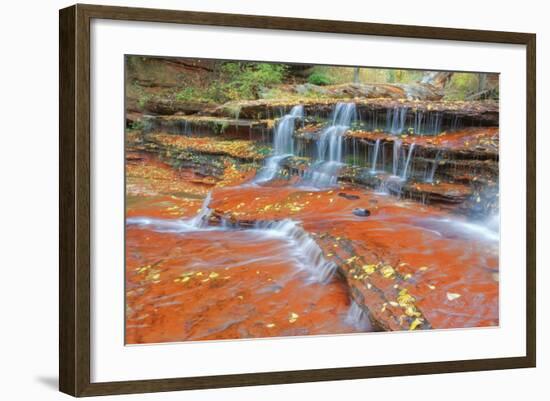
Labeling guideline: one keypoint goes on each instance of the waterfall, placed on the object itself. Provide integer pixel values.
(418, 117)
(329, 145)
(331, 141)
(283, 141)
(431, 175)
(375, 155)
(404, 174)
(435, 123)
(306, 251)
(395, 119)
(196, 223)
(358, 317)
(396, 156)
(201, 219)
(283, 145)
(324, 172)
(421, 122)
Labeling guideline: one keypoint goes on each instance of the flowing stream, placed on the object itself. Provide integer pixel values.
(273, 271)
(375, 156)
(283, 145)
(324, 171)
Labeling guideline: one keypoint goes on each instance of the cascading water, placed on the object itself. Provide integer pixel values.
(418, 117)
(400, 169)
(283, 141)
(306, 251)
(283, 145)
(395, 120)
(201, 219)
(196, 223)
(324, 172)
(396, 156)
(375, 155)
(404, 174)
(303, 249)
(358, 317)
(431, 174)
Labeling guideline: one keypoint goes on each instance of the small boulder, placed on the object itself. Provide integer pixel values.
(361, 212)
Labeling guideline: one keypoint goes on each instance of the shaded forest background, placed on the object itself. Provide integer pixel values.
(214, 81)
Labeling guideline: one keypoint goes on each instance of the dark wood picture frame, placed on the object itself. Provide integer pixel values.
(74, 202)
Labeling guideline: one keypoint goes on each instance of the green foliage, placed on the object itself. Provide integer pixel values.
(274, 93)
(319, 78)
(245, 80)
(222, 81)
(235, 81)
(137, 125)
(461, 85)
(143, 99)
(188, 93)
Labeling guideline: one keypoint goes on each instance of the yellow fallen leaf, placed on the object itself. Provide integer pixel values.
(293, 317)
(451, 296)
(411, 311)
(404, 298)
(423, 268)
(143, 268)
(431, 287)
(213, 275)
(415, 323)
(387, 271)
(369, 269)
(270, 325)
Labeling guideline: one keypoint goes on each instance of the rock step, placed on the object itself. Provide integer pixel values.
(259, 130)
(472, 112)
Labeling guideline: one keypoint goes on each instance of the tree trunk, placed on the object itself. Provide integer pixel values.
(437, 79)
(356, 75)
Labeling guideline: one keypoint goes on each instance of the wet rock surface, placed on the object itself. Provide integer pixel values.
(407, 221)
(480, 112)
(403, 263)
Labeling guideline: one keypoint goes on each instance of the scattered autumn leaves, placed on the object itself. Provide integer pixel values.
(237, 148)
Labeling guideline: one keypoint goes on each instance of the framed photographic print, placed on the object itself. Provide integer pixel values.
(250, 200)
